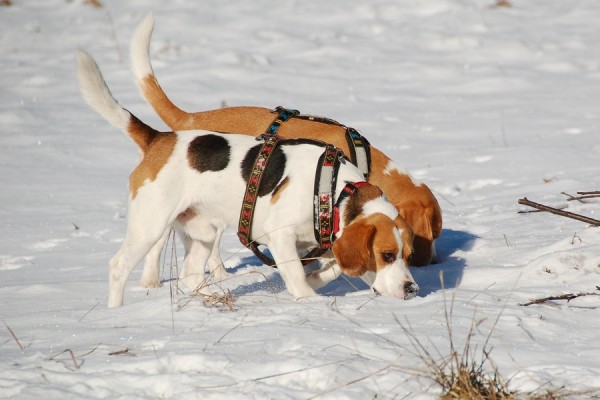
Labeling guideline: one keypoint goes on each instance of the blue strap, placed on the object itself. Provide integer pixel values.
(284, 115)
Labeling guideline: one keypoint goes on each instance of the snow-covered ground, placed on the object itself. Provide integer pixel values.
(486, 105)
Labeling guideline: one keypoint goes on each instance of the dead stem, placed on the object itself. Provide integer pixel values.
(12, 334)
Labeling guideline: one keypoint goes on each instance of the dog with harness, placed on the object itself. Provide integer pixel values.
(204, 181)
(414, 201)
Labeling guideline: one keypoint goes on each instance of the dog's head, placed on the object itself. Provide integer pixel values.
(377, 244)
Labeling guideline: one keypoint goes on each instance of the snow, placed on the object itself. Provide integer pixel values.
(484, 104)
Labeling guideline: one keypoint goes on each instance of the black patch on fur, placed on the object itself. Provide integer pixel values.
(209, 153)
(272, 174)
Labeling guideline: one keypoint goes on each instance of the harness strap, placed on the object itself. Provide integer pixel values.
(284, 115)
(360, 151)
(325, 183)
(325, 180)
(251, 194)
(359, 147)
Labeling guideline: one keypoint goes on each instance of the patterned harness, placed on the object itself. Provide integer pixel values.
(326, 214)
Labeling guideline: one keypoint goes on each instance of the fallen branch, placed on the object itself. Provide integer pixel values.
(582, 196)
(566, 296)
(562, 213)
(593, 193)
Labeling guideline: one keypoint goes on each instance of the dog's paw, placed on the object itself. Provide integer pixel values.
(150, 283)
(220, 274)
(314, 280)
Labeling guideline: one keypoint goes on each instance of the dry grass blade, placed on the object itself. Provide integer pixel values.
(12, 334)
(226, 299)
(70, 352)
(461, 375)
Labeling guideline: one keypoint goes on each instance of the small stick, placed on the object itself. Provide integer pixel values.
(595, 193)
(582, 196)
(562, 213)
(566, 296)
(125, 351)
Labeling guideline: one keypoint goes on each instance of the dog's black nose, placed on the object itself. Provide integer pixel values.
(410, 290)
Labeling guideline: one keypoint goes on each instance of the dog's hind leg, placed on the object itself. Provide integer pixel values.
(151, 275)
(139, 239)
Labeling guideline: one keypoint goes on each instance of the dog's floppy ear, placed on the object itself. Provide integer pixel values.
(352, 249)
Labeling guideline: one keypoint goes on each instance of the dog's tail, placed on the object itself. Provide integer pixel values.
(97, 94)
(146, 81)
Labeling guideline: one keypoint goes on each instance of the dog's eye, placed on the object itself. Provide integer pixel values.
(409, 258)
(388, 257)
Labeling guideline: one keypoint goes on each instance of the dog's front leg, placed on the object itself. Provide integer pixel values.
(284, 251)
(193, 275)
(329, 272)
(215, 264)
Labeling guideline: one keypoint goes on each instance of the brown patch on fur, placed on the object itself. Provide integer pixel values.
(186, 215)
(279, 189)
(355, 203)
(415, 203)
(155, 157)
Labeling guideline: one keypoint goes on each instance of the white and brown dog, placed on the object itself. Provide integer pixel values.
(198, 178)
(415, 202)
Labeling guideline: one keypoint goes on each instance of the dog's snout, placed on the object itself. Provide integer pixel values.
(410, 290)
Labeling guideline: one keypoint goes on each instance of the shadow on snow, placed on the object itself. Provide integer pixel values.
(450, 265)
(428, 278)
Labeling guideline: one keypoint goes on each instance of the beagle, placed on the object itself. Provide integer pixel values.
(197, 178)
(415, 202)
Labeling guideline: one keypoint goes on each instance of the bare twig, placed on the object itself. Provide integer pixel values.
(566, 296)
(594, 193)
(124, 352)
(582, 196)
(562, 213)
(13, 335)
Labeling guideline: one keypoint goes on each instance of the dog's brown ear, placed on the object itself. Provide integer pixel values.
(352, 249)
